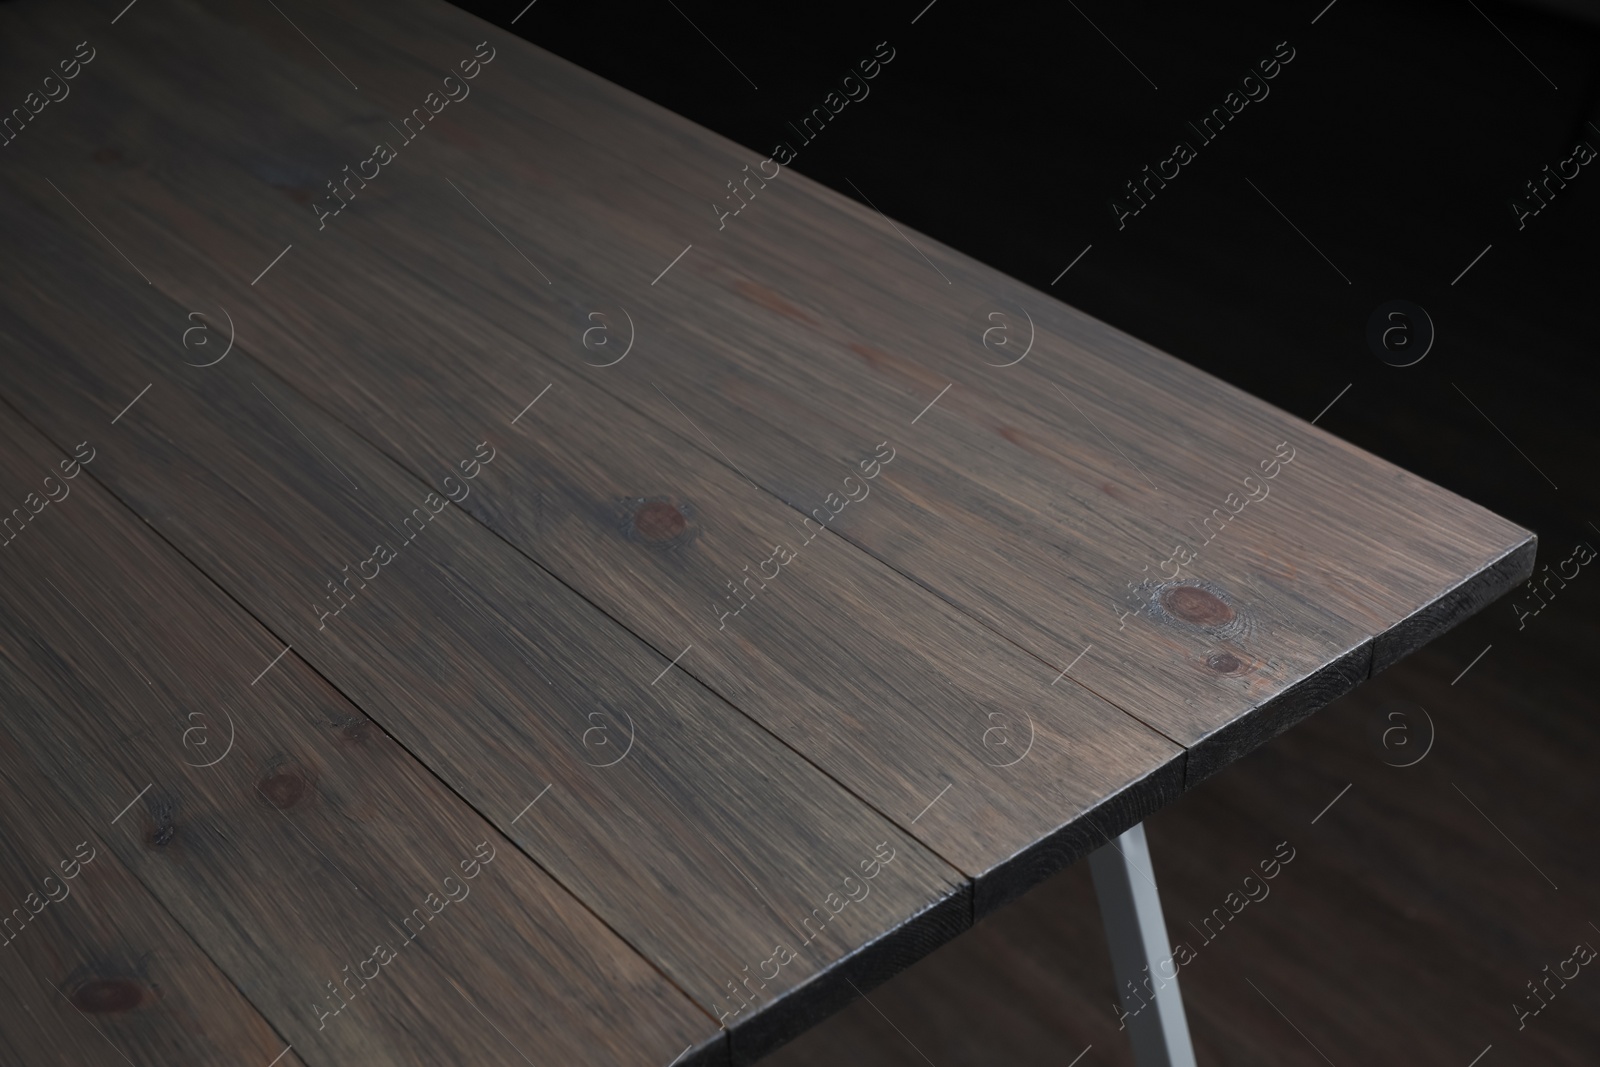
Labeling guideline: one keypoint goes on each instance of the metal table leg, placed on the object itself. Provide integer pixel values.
(1147, 976)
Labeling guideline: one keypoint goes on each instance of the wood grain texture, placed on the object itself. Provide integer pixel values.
(313, 836)
(1406, 922)
(575, 599)
(703, 848)
(658, 534)
(809, 330)
(95, 970)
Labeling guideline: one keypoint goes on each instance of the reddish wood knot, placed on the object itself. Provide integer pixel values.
(1195, 605)
(283, 789)
(1224, 663)
(659, 522)
(104, 995)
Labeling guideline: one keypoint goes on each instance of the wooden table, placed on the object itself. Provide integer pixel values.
(435, 523)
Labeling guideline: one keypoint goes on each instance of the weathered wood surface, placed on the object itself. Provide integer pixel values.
(998, 590)
(95, 970)
(774, 810)
(597, 490)
(281, 827)
(500, 679)
(807, 330)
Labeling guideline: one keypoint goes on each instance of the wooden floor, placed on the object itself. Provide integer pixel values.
(282, 709)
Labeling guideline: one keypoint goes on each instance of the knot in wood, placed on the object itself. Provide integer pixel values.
(659, 521)
(105, 995)
(1195, 605)
(1224, 662)
(283, 789)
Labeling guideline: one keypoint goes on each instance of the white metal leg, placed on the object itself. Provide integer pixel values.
(1141, 955)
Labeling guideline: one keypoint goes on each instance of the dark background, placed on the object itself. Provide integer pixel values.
(1395, 141)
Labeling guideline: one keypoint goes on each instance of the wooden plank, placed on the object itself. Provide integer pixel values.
(284, 829)
(94, 969)
(1365, 542)
(1040, 470)
(1024, 756)
(709, 842)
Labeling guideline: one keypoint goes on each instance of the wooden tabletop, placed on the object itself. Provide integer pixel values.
(435, 523)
